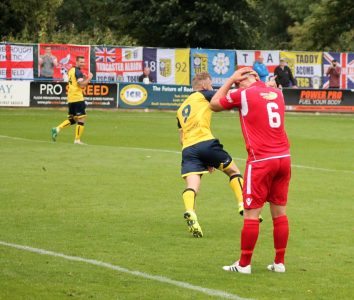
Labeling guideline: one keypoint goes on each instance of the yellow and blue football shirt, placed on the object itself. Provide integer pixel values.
(75, 93)
(194, 118)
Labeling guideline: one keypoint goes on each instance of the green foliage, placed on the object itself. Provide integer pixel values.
(38, 19)
(10, 22)
(173, 23)
(275, 21)
(95, 37)
(242, 24)
(330, 26)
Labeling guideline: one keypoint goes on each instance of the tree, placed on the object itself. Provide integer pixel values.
(275, 21)
(184, 23)
(330, 26)
(31, 20)
(10, 22)
(234, 24)
(90, 22)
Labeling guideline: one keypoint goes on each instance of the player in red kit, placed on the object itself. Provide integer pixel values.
(268, 169)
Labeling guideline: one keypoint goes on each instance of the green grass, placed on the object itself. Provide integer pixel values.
(119, 201)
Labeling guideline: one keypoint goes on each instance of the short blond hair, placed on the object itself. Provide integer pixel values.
(197, 81)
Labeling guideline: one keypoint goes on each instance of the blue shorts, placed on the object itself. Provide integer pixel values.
(197, 158)
(77, 109)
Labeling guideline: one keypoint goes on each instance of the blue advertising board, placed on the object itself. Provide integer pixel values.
(154, 96)
(220, 64)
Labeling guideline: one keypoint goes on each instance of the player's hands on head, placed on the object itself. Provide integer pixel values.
(241, 74)
(255, 74)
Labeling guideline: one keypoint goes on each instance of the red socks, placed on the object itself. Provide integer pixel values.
(249, 236)
(280, 235)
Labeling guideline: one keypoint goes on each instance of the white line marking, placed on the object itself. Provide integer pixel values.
(178, 152)
(181, 284)
(21, 139)
(322, 169)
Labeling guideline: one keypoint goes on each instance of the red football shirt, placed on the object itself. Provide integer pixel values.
(262, 120)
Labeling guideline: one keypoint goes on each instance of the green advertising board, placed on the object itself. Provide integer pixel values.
(154, 96)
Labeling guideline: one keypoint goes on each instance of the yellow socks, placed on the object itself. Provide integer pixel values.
(189, 199)
(236, 184)
(66, 123)
(79, 130)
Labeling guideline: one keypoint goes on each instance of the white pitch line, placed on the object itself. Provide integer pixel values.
(181, 284)
(179, 152)
(21, 139)
(321, 169)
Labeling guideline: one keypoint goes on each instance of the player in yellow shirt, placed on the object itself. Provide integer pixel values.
(76, 103)
(201, 152)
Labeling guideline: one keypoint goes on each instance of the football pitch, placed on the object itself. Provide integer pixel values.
(105, 220)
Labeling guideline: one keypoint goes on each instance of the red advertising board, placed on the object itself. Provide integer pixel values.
(66, 57)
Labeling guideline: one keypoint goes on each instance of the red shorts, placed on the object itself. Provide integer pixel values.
(266, 180)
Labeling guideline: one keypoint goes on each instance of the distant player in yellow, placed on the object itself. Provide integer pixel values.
(201, 152)
(76, 103)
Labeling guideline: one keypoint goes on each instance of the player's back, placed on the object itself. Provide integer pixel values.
(194, 117)
(74, 91)
(262, 120)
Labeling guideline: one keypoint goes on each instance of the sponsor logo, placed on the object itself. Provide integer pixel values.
(269, 96)
(320, 97)
(165, 67)
(130, 54)
(200, 63)
(221, 63)
(248, 201)
(316, 82)
(133, 94)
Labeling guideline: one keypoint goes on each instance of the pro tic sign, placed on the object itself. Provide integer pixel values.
(306, 67)
(99, 95)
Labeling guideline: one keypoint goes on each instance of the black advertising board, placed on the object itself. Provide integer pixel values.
(326, 100)
(54, 94)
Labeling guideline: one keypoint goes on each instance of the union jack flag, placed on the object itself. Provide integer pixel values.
(350, 70)
(346, 61)
(105, 55)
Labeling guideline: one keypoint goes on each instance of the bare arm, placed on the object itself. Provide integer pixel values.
(238, 76)
(222, 92)
(181, 136)
(85, 81)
